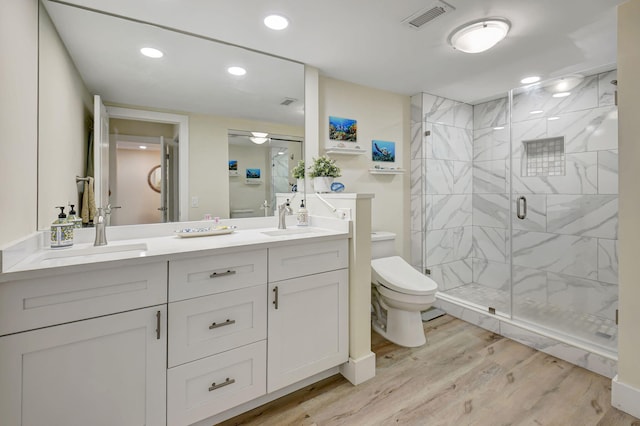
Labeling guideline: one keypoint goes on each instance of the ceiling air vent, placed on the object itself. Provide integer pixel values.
(287, 101)
(421, 17)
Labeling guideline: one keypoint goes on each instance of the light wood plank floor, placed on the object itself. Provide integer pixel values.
(464, 375)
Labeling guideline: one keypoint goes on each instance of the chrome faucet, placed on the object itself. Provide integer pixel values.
(107, 212)
(101, 221)
(283, 210)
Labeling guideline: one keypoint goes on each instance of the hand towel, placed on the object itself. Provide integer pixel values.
(88, 202)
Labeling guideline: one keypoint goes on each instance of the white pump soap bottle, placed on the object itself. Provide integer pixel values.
(303, 215)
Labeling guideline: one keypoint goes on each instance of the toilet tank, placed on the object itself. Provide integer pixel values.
(383, 244)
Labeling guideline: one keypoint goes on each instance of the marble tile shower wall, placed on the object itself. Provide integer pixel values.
(565, 251)
(441, 188)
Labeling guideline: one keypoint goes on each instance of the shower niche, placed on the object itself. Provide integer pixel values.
(544, 157)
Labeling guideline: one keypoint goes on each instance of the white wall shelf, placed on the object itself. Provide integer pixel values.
(345, 151)
(374, 171)
(253, 182)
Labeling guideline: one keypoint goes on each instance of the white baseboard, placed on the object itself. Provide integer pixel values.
(625, 398)
(359, 370)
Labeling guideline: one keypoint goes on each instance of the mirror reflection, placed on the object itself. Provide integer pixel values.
(260, 166)
(85, 53)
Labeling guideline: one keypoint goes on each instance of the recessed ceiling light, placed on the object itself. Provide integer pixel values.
(479, 35)
(142, 147)
(538, 111)
(498, 128)
(529, 80)
(259, 134)
(258, 141)
(276, 22)
(280, 152)
(561, 94)
(236, 71)
(553, 118)
(151, 52)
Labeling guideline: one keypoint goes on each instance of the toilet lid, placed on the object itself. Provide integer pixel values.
(396, 274)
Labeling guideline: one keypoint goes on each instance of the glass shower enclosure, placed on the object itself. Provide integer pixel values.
(515, 202)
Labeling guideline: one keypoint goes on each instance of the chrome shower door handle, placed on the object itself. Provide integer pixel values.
(522, 201)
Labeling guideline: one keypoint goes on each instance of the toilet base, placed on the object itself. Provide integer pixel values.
(404, 328)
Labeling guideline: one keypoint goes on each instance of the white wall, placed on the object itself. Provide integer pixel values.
(66, 106)
(139, 202)
(380, 115)
(18, 118)
(629, 147)
(243, 195)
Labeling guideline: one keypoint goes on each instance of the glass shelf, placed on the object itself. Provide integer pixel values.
(386, 171)
(345, 151)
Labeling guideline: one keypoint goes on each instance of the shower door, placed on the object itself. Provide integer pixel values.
(564, 206)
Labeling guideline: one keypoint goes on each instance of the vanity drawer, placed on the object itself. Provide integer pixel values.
(212, 324)
(306, 259)
(41, 302)
(205, 275)
(209, 386)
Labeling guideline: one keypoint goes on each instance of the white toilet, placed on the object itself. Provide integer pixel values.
(398, 294)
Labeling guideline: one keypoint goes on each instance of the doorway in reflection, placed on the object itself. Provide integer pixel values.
(143, 175)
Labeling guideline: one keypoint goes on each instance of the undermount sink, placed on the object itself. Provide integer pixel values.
(288, 231)
(53, 254)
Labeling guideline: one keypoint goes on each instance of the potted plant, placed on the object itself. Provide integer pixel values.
(323, 170)
(298, 173)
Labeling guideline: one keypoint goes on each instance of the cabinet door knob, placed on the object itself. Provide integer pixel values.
(222, 274)
(221, 385)
(222, 324)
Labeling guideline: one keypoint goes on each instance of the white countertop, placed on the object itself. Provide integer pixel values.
(144, 246)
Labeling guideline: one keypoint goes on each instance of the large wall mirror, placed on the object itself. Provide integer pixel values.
(176, 111)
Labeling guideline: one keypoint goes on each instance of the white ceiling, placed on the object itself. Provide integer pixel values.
(364, 41)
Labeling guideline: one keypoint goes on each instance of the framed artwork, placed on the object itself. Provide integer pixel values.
(253, 174)
(383, 151)
(233, 168)
(343, 129)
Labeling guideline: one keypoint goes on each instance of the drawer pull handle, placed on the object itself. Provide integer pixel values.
(275, 300)
(158, 323)
(222, 274)
(222, 324)
(221, 385)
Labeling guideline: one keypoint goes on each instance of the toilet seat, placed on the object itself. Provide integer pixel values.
(397, 275)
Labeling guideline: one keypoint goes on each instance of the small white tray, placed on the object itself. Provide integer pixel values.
(203, 232)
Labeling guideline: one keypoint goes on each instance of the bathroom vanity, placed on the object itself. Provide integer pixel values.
(166, 330)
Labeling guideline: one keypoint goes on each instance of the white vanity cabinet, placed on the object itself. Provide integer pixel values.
(174, 341)
(100, 371)
(308, 314)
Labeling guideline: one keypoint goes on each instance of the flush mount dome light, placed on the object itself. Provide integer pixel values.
(236, 71)
(151, 52)
(479, 35)
(276, 22)
(258, 141)
(259, 134)
(530, 80)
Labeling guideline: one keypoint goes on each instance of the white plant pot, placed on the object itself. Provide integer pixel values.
(322, 184)
(300, 185)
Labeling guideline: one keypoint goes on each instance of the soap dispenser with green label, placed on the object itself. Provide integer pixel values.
(61, 231)
(73, 218)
